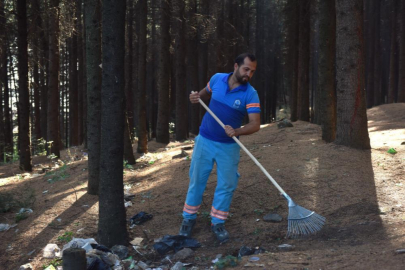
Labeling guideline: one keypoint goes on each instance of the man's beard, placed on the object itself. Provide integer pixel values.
(240, 78)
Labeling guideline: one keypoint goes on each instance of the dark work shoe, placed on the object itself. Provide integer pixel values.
(187, 227)
(220, 233)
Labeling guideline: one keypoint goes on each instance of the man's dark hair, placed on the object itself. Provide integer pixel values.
(241, 58)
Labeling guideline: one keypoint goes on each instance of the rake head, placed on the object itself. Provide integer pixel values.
(302, 222)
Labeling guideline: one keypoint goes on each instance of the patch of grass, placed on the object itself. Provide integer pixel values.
(58, 175)
(6, 202)
(66, 237)
(20, 216)
(55, 263)
(10, 201)
(258, 212)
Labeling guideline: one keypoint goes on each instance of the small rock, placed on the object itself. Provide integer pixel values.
(143, 265)
(272, 218)
(177, 266)
(26, 266)
(285, 247)
(284, 123)
(120, 251)
(183, 254)
(400, 251)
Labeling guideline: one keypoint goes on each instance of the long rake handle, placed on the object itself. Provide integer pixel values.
(244, 149)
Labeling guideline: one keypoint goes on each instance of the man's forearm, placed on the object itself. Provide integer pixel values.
(247, 129)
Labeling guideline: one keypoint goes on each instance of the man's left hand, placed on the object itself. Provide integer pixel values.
(230, 131)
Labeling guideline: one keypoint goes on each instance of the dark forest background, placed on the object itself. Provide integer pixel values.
(110, 75)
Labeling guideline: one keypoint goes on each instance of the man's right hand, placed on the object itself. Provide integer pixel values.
(194, 97)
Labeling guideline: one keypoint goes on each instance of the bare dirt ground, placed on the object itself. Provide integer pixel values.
(360, 192)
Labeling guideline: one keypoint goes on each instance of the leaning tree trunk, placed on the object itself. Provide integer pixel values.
(24, 131)
(142, 117)
(112, 220)
(163, 75)
(93, 82)
(53, 84)
(326, 69)
(351, 100)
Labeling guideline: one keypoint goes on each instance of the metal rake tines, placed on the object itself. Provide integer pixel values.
(303, 222)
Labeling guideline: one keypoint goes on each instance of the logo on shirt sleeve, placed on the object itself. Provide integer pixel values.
(236, 104)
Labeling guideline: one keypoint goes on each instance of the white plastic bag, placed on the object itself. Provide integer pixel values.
(51, 251)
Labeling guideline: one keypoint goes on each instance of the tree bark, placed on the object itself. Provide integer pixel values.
(73, 92)
(128, 151)
(163, 75)
(24, 131)
(141, 91)
(393, 78)
(53, 83)
(401, 79)
(377, 95)
(93, 82)
(112, 220)
(326, 69)
(351, 100)
(3, 78)
(370, 36)
(80, 76)
(178, 25)
(303, 61)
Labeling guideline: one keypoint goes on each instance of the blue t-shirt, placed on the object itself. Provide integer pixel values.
(229, 106)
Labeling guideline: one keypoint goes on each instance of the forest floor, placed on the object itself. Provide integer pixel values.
(360, 192)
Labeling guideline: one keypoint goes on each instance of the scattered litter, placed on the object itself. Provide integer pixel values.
(140, 218)
(400, 251)
(253, 265)
(246, 251)
(176, 242)
(45, 191)
(392, 151)
(128, 204)
(137, 241)
(25, 210)
(26, 266)
(254, 259)
(228, 261)
(257, 220)
(81, 243)
(285, 247)
(98, 264)
(51, 251)
(4, 227)
(80, 230)
(85, 205)
(31, 252)
(177, 266)
(59, 220)
(120, 251)
(183, 254)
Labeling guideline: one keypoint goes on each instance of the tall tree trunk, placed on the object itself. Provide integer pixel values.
(377, 95)
(73, 91)
(128, 151)
(401, 79)
(294, 55)
(326, 69)
(178, 26)
(163, 75)
(112, 221)
(192, 65)
(92, 23)
(392, 90)
(24, 131)
(53, 84)
(141, 100)
(370, 47)
(37, 55)
(43, 78)
(128, 66)
(213, 41)
(3, 79)
(80, 79)
(303, 61)
(351, 100)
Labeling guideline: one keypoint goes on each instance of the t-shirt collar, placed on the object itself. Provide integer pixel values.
(241, 87)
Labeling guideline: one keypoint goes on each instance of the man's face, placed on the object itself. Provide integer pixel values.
(245, 71)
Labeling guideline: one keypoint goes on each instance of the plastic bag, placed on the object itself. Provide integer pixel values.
(176, 242)
(140, 218)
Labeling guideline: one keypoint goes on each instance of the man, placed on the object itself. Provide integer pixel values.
(231, 97)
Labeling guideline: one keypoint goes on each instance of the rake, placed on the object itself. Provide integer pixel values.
(301, 221)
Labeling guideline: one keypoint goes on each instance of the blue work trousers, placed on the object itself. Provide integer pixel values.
(226, 156)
